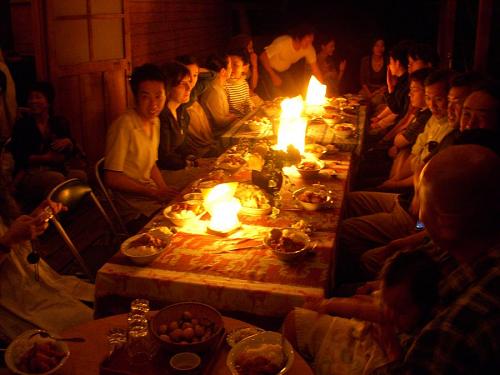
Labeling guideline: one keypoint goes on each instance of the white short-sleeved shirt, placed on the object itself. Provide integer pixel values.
(435, 130)
(282, 55)
(129, 149)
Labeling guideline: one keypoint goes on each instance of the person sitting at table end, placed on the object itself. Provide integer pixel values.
(132, 148)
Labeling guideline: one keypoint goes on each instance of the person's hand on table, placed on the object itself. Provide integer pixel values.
(165, 193)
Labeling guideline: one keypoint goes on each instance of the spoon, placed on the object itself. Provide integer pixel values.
(48, 335)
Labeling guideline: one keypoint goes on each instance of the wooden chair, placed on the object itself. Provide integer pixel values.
(71, 193)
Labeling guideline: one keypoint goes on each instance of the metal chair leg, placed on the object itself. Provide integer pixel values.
(72, 248)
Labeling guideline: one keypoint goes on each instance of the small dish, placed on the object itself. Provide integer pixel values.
(185, 362)
(20, 347)
(263, 349)
(288, 244)
(142, 254)
(183, 213)
(315, 149)
(343, 130)
(312, 199)
(239, 334)
(309, 168)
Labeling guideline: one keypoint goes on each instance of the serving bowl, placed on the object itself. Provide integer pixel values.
(309, 168)
(315, 149)
(289, 245)
(343, 130)
(171, 327)
(145, 254)
(18, 352)
(261, 349)
(184, 212)
(312, 199)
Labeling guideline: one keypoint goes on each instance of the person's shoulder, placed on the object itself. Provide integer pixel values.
(127, 119)
(282, 39)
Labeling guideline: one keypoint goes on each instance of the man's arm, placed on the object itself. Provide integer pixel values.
(275, 78)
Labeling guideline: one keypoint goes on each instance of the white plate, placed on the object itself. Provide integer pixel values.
(23, 343)
(255, 341)
(148, 257)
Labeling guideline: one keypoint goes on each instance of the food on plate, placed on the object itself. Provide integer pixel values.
(144, 245)
(315, 149)
(237, 335)
(187, 330)
(309, 165)
(40, 358)
(185, 210)
(265, 359)
(313, 196)
(258, 123)
(251, 196)
(331, 149)
(230, 161)
(343, 127)
(286, 241)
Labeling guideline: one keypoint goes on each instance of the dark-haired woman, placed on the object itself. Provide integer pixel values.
(372, 74)
(47, 300)
(41, 146)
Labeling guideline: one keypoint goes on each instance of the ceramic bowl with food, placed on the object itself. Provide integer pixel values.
(288, 244)
(239, 334)
(182, 213)
(344, 130)
(312, 199)
(230, 162)
(261, 353)
(187, 327)
(254, 201)
(143, 248)
(315, 149)
(309, 168)
(30, 353)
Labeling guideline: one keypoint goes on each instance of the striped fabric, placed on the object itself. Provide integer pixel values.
(238, 95)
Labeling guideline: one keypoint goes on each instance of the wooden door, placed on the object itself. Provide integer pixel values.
(84, 50)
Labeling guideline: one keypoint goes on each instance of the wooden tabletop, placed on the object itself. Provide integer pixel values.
(86, 357)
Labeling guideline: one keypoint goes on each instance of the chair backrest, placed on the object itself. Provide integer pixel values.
(99, 175)
(70, 193)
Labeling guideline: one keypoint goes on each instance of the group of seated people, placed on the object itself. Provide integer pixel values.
(428, 299)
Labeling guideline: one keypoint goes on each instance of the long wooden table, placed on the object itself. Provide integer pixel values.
(201, 267)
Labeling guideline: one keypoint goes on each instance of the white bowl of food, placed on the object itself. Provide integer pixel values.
(143, 248)
(31, 353)
(343, 130)
(309, 168)
(312, 198)
(254, 201)
(239, 334)
(182, 213)
(288, 244)
(262, 351)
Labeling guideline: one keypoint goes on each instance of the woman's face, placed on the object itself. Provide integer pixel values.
(194, 71)
(180, 93)
(226, 72)
(150, 99)
(379, 47)
(38, 103)
(416, 64)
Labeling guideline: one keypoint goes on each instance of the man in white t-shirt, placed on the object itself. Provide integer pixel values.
(278, 57)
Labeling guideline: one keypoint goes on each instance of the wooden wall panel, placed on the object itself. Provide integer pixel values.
(22, 31)
(69, 88)
(163, 29)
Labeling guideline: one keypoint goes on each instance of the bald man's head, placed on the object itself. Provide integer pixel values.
(460, 192)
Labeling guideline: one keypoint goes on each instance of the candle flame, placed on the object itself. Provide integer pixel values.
(292, 129)
(315, 93)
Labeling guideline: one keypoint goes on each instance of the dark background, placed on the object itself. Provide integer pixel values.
(355, 24)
